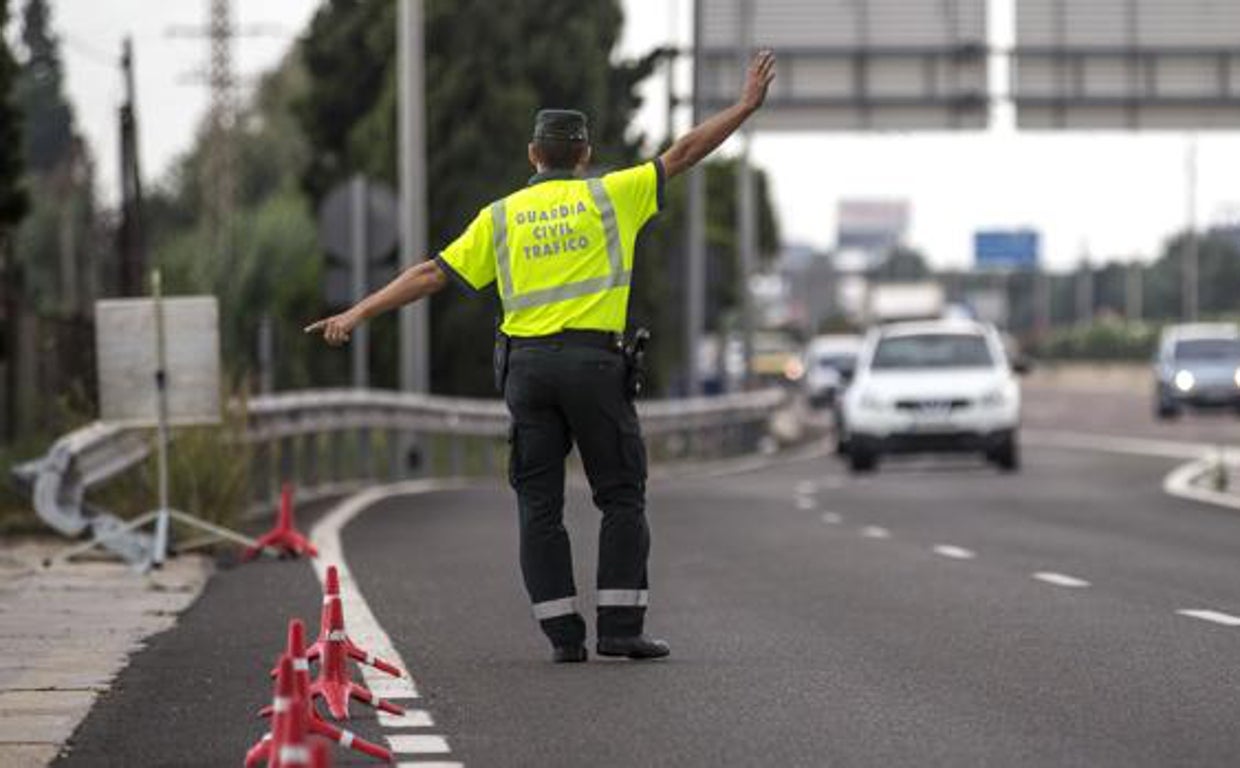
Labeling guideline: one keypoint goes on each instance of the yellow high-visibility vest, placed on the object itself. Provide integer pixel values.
(560, 250)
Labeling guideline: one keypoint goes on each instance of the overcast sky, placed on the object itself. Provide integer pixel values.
(1107, 194)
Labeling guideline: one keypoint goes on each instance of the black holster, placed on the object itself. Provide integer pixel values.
(499, 360)
(635, 363)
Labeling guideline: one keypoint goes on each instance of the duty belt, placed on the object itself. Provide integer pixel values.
(572, 338)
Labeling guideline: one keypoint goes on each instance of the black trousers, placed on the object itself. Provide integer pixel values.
(559, 393)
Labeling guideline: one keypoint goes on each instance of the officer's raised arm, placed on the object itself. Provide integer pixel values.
(689, 149)
(416, 282)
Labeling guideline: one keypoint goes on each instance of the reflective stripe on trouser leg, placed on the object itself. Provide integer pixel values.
(623, 598)
(551, 609)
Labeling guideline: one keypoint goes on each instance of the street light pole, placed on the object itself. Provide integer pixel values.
(414, 320)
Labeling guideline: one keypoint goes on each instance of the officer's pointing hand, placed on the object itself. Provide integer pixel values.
(758, 79)
(336, 329)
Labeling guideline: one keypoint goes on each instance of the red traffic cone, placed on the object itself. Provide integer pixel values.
(288, 742)
(317, 725)
(331, 595)
(283, 537)
(334, 685)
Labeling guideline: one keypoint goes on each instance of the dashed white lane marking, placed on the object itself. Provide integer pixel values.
(413, 718)
(1218, 617)
(954, 552)
(418, 744)
(875, 532)
(1060, 579)
(362, 624)
(806, 502)
(832, 518)
(807, 487)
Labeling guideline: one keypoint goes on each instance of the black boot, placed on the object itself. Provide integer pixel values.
(637, 647)
(568, 654)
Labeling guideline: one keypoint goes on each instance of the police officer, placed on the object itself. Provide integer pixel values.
(561, 252)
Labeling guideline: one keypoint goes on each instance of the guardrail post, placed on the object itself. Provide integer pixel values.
(362, 470)
(336, 452)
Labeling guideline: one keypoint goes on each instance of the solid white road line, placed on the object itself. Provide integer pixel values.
(1226, 619)
(875, 532)
(954, 552)
(363, 627)
(832, 518)
(1061, 579)
(806, 502)
(418, 744)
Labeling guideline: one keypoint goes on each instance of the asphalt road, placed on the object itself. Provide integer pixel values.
(936, 613)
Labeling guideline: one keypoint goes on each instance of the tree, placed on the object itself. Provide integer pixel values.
(13, 205)
(49, 118)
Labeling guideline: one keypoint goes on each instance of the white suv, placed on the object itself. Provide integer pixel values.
(944, 385)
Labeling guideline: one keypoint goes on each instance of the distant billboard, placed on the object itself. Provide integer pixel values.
(853, 64)
(1006, 249)
(1124, 64)
(873, 226)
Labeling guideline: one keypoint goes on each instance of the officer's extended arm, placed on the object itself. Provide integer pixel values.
(417, 282)
(704, 138)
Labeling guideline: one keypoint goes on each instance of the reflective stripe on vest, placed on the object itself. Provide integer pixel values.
(618, 277)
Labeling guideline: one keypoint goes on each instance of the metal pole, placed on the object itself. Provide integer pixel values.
(360, 344)
(1189, 274)
(160, 550)
(695, 279)
(746, 240)
(414, 319)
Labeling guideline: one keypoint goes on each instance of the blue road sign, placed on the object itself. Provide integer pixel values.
(1006, 249)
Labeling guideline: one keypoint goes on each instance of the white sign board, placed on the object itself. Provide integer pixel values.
(126, 351)
(854, 64)
(1121, 64)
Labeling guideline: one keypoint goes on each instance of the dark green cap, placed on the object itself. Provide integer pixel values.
(560, 124)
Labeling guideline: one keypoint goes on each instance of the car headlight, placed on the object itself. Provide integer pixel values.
(1184, 381)
(994, 398)
(1236, 378)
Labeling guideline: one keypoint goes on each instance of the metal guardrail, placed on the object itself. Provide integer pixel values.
(328, 441)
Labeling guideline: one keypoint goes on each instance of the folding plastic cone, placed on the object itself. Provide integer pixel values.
(317, 725)
(334, 684)
(331, 595)
(284, 537)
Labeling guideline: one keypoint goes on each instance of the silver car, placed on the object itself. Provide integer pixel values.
(1197, 365)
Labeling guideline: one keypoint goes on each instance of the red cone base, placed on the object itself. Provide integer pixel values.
(334, 685)
(313, 722)
(331, 595)
(283, 538)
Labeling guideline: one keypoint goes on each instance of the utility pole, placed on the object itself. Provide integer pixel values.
(131, 245)
(695, 236)
(746, 208)
(1190, 284)
(221, 161)
(414, 320)
(220, 178)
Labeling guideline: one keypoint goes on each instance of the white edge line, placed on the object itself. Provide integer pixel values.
(325, 535)
(1060, 579)
(954, 552)
(1179, 482)
(1217, 617)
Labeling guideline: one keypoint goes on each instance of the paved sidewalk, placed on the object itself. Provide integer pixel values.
(66, 632)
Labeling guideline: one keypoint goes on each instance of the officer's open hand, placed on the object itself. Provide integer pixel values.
(758, 79)
(335, 329)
